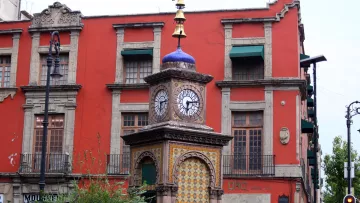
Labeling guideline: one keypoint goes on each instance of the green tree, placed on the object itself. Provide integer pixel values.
(335, 188)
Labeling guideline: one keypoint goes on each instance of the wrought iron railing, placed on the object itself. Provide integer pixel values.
(248, 165)
(54, 163)
(118, 164)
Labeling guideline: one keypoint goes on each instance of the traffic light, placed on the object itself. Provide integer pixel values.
(349, 199)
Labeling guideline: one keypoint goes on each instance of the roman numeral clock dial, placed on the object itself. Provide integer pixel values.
(161, 101)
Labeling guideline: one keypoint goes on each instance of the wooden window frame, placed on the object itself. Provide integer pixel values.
(43, 62)
(259, 68)
(3, 66)
(138, 61)
(247, 127)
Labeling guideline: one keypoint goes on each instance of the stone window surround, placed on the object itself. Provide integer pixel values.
(117, 109)
(228, 106)
(14, 52)
(59, 103)
(36, 50)
(121, 45)
(266, 41)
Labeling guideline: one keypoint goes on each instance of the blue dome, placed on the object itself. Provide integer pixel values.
(178, 56)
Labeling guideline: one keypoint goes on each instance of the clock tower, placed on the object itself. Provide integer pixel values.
(177, 154)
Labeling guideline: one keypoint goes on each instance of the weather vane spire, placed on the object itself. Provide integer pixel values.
(179, 19)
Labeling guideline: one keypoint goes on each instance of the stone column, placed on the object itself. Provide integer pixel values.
(35, 59)
(163, 194)
(14, 59)
(17, 194)
(157, 47)
(73, 56)
(119, 59)
(228, 46)
(174, 191)
(226, 117)
(115, 123)
(268, 50)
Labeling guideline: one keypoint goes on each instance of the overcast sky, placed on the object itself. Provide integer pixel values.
(331, 29)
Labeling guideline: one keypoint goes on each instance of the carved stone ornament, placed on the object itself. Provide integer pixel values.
(163, 190)
(284, 135)
(200, 156)
(5, 92)
(56, 16)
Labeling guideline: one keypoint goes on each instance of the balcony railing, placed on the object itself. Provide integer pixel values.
(55, 163)
(248, 165)
(118, 164)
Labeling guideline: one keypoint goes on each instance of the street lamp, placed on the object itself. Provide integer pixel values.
(55, 74)
(306, 64)
(351, 111)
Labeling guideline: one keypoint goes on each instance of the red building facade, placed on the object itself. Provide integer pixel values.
(258, 95)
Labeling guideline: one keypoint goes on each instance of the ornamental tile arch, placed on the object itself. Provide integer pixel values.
(137, 166)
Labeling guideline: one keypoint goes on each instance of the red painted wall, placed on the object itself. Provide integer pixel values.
(248, 30)
(138, 34)
(247, 94)
(6, 41)
(275, 187)
(45, 38)
(96, 67)
(285, 116)
(285, 46)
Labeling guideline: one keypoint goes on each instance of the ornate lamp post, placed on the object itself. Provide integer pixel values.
(351, 111)
(55, 74)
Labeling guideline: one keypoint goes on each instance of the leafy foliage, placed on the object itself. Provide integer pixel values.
(335, 188)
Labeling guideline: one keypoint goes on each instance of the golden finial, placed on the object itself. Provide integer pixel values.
(180, 17)
(179, 31)
(180, 3)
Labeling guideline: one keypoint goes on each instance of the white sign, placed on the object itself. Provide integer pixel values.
(1, 198)
(352, 172)
(32, 198)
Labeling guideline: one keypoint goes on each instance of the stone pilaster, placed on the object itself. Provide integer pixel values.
(156, 50)
(228, 46)
(119, 59)
(268, 50)
(73, 56)
(268, 123)
(27, 135)
(35, 59)
(14, 59)
(226, 118)
(115, 139)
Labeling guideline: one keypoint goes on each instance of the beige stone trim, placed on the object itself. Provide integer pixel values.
(14, 59)
(226, 118)
(6, 51)
(247, 106)
(34, 59)
(253, 198)
(5, 92)
(298, 108)
(134, 107)
(73, 56)
(45, 49)
(138, 45)
(288, 170)
(119, 58)
(156, 50)
(282, 88)
(268, 123)
(228, 46)
(115, 138)
(59, 102)
(268, 50)
(248, 41)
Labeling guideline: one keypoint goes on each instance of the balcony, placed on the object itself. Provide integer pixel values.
(248, 165)
(55, 163)
(118, 164)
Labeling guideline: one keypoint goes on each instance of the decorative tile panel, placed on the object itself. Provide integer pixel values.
(193, 182)
(155, 149)
(214, 154)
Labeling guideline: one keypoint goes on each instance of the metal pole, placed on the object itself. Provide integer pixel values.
(315, 132)
(348, 124)
(45, 121)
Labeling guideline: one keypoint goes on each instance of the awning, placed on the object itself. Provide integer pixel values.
(310, 89)
(306, 126)
(311, 113)
(247, 51)
(303, 56)
(132, 52)
(310, 102)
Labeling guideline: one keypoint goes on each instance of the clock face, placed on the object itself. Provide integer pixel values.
(161, 102)
(188, 103)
